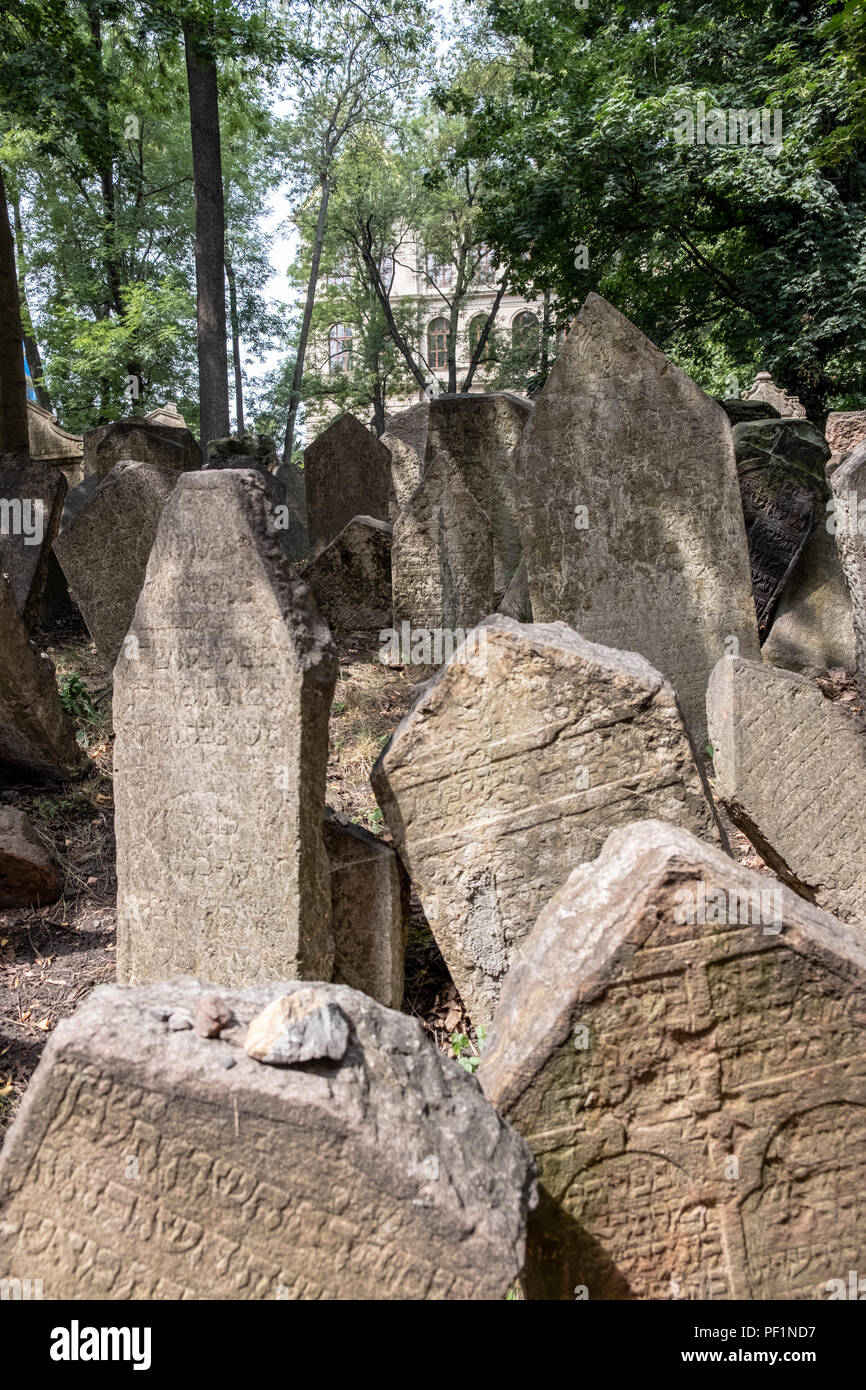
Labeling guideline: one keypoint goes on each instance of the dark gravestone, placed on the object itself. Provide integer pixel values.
(35, 737)
(31, 504)
(347, 472)
(138, 438)
(351, 577)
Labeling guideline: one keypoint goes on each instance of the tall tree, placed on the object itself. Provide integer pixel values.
(204, 125)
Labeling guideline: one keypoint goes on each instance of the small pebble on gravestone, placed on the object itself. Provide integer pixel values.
(211, 1016)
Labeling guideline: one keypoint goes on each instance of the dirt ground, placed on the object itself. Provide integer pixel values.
(50, 958)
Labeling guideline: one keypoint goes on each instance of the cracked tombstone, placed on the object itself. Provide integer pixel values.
(681, 1043)
(357, 1162)
(31, 505)
(104, 551)
(511, 767)
(790, 770)
(221, 700)
(36, 738)
(630, 510)
(347, 473)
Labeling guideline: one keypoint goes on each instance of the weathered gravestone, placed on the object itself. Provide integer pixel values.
(481, 434)
(630, 509)
(104, 552)
(512, 766)
(167, 414)
(784, 490)
(814, 625)
(442, 554)
(849, 495)
(845, 429)
(791, 772)
(351, 577)
(242, 451)
(149, 1162)
(143, 439)
(682, 1043)
(405, 438)
(221, 701)
(347, 473)
(293, 520)
(738, 410)
(27, 874)
(370, 904)
(31, 504)
(77, 497)
(764, 389)
(36, 739)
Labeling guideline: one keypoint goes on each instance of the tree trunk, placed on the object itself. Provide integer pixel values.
(546, 329)
(31, 347)
(236, 347)
(298, 373)
(14, 433)
(204, 127)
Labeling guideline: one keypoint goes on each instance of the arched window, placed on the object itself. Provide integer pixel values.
(339, 348)
(524, 329)
(476, 327)
(437, 344)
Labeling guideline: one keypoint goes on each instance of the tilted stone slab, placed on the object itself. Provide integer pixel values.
(405, 437)
(681, 1043)
(849, 495)
(347, 473)
(221, 715)
(105, 550)
(784, 490)
(143, 439)
(481, 434)
(293, 520)
(31, 505)
(791, 772)
(370, 905)
(845, 429)
(36, 738)
(442, 553)
(143, 1166)
(814, 625)
(351, 577)
(512, 767)
(630, 508)
(28, 876)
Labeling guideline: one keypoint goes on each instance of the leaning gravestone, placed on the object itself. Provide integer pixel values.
(791, 772)
(351, 577)
(31, 505)
(481, 433)
(630, 509)
(849, 495)
(150, 1162)
(405, 438)
(221, 701)
(370, 903)
(814, 625)
(347, 473)
(784, 490)
(511, 768)
(293, 520)
(35, 737)
(681, 1043)
(104, 552)
(139, 438)
(28, 876)
(442, 554)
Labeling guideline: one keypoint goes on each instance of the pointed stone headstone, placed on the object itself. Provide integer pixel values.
(351, 577)
(151, 1162)
(31, 505)
(104, 552)
(791, 772)
(682, 1043)
(630, 508)
(36, 739)
(221, 700)
(442, 554)
(347, 473)
(511, 768)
